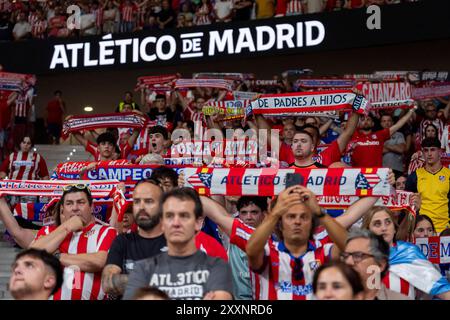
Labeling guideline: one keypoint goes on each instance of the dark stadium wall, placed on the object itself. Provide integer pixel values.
(104, 89)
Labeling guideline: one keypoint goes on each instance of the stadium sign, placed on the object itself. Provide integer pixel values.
(280, 36)
(236, 40)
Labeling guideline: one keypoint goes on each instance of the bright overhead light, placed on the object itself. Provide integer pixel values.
(34, 149)
(74, 150)
(88, 109)
(71, 154)
(68, 158)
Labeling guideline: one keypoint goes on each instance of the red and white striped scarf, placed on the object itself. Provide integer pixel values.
(53, 188)
(204, 83)
(116, 120)
(223, 75)
(395, 201)
(290, 104)
(152, 81)
(16, 81)
(438, 90)
(270, 181)
(324, 83)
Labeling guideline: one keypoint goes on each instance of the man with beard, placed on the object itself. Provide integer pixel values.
(130, 247)
(303, 148)
(367, 146)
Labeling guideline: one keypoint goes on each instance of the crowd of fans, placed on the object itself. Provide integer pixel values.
(173, 243)
(21, 20)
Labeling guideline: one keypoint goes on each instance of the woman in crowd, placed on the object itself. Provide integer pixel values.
(337, 281)
(423, 228)
(409, 269)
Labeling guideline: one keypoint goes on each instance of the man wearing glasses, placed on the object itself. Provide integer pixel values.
(80, 243)
(368, 254)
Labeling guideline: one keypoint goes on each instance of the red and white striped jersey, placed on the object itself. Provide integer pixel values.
(32, 18)
(24, 166)
(80, 285)
(92, 148)
(203, 15)
(38, 29)
(294, 7)
(397, 284)
(191, 114)
(22, 105)
(282, 277)
(98, 16)
(127, 13)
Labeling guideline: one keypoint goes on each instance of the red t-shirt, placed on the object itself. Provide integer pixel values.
(55, 112)
(367, 150)
(91, 239)
(210, 246)
(92, 148)
(5, 111)
(328, 156)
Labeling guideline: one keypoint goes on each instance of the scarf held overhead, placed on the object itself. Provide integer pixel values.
(116, 120)
(53, 188)
(270, 181)
(289, 104)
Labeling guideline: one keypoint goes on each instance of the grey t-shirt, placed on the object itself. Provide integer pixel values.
(182, 278)
(391, 159)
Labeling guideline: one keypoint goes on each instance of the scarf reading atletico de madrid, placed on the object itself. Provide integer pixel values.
(271, 181)
(90, 122)
(290, 104)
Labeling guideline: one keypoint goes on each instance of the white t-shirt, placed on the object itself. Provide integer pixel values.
(223, 8)
(21, 28)
(86, 20)
(314, 6)
(445, 140)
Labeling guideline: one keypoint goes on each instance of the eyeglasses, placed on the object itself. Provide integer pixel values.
(356, 256)
(78, 186)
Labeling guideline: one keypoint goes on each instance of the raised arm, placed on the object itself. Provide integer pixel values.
(356, 211)
(255, 245)
(80, 138)
(346, 135)
(400, 123)
(324, 127)
(218, 214)
(336, 231)
(23, 237)
(183, 101)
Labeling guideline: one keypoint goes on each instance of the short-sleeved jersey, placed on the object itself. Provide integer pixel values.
(282, 276)
(367, 149)
(434, 190)
(80, 285)
(24, 166)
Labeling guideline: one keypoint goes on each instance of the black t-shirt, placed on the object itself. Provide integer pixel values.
(161, 117)
(164, 15)
(128, 248)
